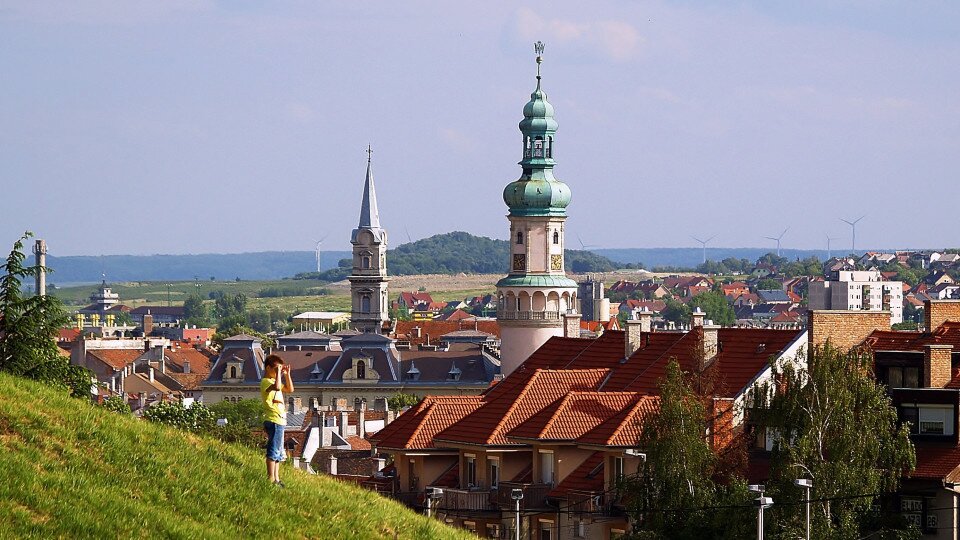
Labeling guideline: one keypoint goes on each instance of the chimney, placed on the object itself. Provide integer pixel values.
(604, 314)
(645, 317)
(428, 339)
(362, 420)
(163, 361)
(333, 465)
(696, 318)
(297, 405)
(186, 366)
(936, 365)
(344, 423)
(711, 333)
(40, 251)
(142, 399)
(937, 312)
(147, 324)
(633, 340)
(151, 374)
(571, 325)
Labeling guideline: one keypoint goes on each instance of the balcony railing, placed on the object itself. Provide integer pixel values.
(528, 315)
(464, 499)
(534, 495)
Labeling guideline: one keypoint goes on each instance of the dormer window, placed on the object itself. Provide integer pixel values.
(361, 369)
(233, 372)
(316, 374)
(413, 374)
(454, 373)
(519, 238)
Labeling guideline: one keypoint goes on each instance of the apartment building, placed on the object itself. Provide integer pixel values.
(858, 290)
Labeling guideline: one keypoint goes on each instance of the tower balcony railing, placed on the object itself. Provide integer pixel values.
(508, 315)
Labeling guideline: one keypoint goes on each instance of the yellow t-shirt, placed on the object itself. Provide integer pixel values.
(272, 412)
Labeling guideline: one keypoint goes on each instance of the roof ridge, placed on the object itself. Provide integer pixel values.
(556, 413)
(630, 414)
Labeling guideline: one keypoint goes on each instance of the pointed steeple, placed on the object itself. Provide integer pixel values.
(369, 216)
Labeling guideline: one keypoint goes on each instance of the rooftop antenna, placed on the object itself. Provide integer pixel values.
(319, 257)
(853, 225)
(829, 239)
(777, 239)
(703, 243)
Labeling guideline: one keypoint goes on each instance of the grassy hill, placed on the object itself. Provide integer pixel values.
(71, 470)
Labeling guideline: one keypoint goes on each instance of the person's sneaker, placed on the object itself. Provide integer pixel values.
(279, 484)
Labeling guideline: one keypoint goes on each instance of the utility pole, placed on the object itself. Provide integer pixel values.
(761, 502)
(806, 485)
(517, 495)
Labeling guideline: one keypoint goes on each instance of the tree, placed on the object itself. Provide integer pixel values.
(195, 418)
(676, 311)
(678, 494)
(243, 417)
(223, 333)
(832, 423)
(400, 400)
(716, 307)
(28, 329)
(769, 284)
(116, 404)
(195, 311)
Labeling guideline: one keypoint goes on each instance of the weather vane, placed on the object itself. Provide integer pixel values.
(538, 48)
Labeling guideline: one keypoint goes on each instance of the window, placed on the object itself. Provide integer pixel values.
(366, 262)
(617, 469)
(928, 419)
(365, 304)
(546, 530)
(494, 473)
(546, 467)
(361, 370)
(556, 237)
(538, 147)
(470, 471)
(233, 372)
(519, 237)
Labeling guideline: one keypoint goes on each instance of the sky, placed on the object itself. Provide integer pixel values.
(199, 126)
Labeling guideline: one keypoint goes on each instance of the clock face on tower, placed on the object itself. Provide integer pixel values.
(519, 262)
(556, 262)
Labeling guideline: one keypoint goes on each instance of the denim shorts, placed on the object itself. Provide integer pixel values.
(274, 441)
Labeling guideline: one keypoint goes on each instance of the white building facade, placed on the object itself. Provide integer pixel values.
(859, 290)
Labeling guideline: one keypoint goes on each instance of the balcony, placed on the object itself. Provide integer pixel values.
(506, 315)
(465, 499)
(534, 495)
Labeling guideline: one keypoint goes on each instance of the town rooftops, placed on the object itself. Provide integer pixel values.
(573, 415)
(423, 421)
(115, 358)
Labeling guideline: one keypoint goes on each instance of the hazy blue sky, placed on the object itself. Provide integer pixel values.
(139, 126)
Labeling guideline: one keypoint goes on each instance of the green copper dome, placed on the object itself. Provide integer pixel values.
(537, 192)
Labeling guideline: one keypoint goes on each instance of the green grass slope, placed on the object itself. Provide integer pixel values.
(71, 470)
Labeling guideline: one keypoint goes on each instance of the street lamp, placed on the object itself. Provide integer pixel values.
(435, 495)
(761, 502)
(806, 485)
(517, 495)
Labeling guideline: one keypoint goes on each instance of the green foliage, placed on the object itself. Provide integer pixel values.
(456, 252)
(677, 495)
(773, 259)
(28, 329)
(116, 404)
(195, 312)
(906, 325)
(906, 274)
(196, 418)
(72, 470)
(769, 284)
(811, 266)
(715, 306)
(268, 320)
(676, 311)
(223, 333)
(832, 408)
(242, 418)
(400, 400)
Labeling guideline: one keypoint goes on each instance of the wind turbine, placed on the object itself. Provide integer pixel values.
(582, 246)
(778, 238)
(829, 239)
(703, 243)
(406, 230)
(853, 225)
(319, 243)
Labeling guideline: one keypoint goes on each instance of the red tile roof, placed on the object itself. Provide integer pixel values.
(947, 333)
(743, 353)
(622, 429)
(115, 358)
(937, 462)
(437, 328)
(358, 443)
(489, 424)
(416, 428)
(573, 415)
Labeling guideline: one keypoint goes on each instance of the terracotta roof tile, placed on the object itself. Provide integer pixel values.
(489, 424)
(115, 358)
(937, 462)
(416, 428)
(587, 477)
(622, 429)
(573, 415)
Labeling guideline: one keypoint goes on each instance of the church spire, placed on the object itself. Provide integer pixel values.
(369, 216)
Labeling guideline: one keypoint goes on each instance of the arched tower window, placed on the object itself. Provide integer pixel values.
(519, 237)
(556, 237)
(526, 147)
(538, 147)
(365, 303)
(365, 262)
(361, 370)
(549, 147)
(233, 372)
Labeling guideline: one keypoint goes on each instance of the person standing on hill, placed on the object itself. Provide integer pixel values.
(276, 380)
